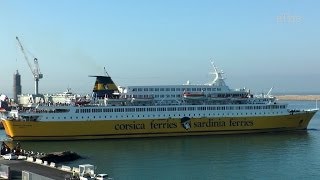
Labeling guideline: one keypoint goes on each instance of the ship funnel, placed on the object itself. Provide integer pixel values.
(104, 87)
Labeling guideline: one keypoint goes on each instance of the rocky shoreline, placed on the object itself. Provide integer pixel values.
(298, 97)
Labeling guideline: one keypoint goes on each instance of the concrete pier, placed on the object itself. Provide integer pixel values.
(298, 97)
(17, 166)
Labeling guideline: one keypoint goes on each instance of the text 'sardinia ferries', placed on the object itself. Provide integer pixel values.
(150, 111)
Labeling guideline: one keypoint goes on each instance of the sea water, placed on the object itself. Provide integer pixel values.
(284, 155)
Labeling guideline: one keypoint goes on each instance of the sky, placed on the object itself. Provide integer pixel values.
(257, 44)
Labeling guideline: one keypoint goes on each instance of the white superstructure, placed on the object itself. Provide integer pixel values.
(215, 99)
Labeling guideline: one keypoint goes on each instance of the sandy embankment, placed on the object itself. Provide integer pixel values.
(298, 97)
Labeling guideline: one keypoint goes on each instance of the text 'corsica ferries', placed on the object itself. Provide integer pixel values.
(150, 111)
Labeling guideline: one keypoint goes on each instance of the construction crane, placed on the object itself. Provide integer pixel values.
(35, 69)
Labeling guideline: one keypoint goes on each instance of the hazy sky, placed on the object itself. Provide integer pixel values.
(258, 44)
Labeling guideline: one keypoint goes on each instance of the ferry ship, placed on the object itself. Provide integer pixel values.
(153, 111)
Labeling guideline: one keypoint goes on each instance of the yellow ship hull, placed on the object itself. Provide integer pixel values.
(102, 129)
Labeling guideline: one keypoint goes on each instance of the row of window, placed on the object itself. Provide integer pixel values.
(154, 96)
(201, 108)
(180, 95)
(176, 89)
(166, 115)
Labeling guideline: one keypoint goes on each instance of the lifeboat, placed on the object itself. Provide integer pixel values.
(143, 99)
(188, 95)
(81, 102)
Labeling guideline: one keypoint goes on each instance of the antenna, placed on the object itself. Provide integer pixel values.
(105, 71)
(215, 72)
(269, 92)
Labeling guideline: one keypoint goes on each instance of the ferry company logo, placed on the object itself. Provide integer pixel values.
(186, 123)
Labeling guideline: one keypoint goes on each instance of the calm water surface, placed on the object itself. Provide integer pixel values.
(289, 155)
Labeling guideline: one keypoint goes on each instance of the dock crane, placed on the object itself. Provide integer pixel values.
(35, 69)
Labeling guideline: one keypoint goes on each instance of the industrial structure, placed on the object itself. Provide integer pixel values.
(35, 69)
(17, 88)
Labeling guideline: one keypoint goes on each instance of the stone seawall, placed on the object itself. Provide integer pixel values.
(298, 97)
